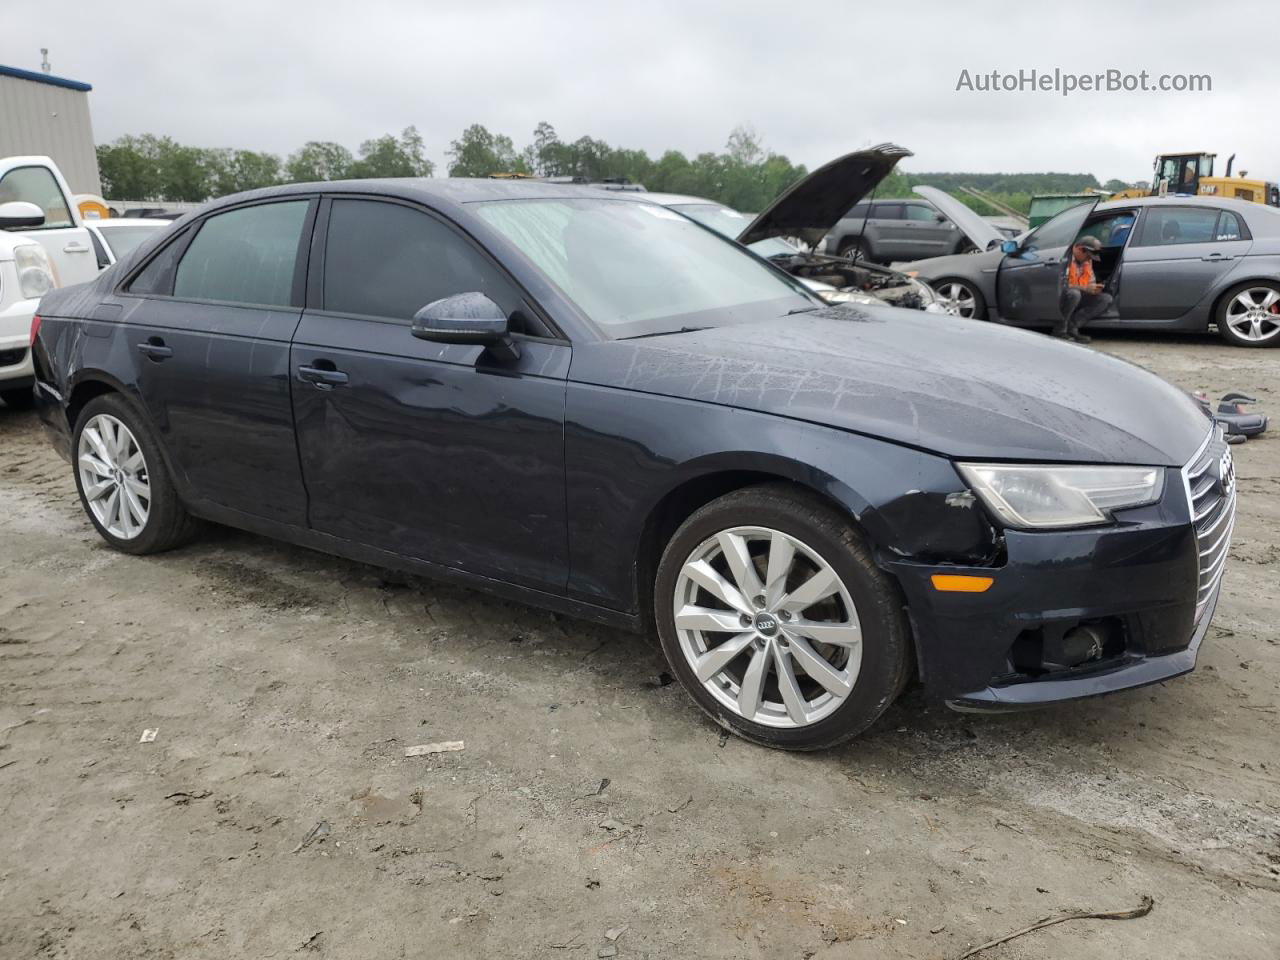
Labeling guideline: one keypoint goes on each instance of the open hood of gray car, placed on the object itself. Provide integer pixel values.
(810, 207)
(980, 232)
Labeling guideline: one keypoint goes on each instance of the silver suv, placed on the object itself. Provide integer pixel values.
(896, 230)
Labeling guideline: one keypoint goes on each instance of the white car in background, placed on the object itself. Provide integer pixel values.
(43, 244)
(115, 238)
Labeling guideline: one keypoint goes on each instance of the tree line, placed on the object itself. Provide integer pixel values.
(744, 175)
(148, 167)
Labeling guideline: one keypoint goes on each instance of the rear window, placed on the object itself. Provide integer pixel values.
(245, 256)
(1167, 226)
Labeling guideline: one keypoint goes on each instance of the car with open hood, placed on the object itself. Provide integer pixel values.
(591, 403)
(1182, 264)
(804, 213)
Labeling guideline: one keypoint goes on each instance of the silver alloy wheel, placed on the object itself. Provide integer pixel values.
(956, 299)
(1254, 314)
(113, 475)
(768, 627)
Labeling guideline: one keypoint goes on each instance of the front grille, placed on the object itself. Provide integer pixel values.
(10, 357)
(1211, 491)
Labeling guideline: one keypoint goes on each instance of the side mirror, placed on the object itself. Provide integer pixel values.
(17, 214)
(466, 318)
(1009, 246)
(940, 217)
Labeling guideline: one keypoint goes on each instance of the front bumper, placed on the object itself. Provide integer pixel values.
(1135, 583)
(15, 337)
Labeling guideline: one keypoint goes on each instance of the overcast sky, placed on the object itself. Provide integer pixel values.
(814, 80)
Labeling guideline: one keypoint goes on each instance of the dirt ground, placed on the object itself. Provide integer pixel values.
(284, 687)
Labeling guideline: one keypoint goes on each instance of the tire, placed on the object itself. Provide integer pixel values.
(1249, 314)
(960, 298)
(18, 399)
(126, 461)
(869, 664)
(849, 248)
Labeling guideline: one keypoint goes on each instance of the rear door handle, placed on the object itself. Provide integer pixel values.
(322, 378)
(1213, 257)
(75, 246)
(155, 349)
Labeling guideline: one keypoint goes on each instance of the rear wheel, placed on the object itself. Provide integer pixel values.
(854, 250)
(124, 486)
(960, 298)
(777, 622)
(1249, 315)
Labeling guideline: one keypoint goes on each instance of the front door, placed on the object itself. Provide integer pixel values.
(1027, 282)
(1178, 256)
(208, 326)
(926, 232)
(409, 445)
(66, 242)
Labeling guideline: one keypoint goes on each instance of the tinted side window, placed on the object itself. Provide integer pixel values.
(389, 260)
(858, 213)
(1230, 227)
(36, 185)
(157, 276)
(917, 211)
(244, 256)
(1165, 226)
(886, 211)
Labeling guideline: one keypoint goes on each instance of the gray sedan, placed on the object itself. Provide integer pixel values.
(1172, 263)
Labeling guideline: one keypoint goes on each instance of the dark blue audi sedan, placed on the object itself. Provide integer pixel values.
(591, 403)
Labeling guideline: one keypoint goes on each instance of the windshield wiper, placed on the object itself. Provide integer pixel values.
(663, 333)
(792, 313)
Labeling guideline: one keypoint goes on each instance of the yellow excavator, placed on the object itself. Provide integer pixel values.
(1191, 174)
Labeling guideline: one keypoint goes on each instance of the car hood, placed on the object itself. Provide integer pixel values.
(965, 389)
(980, 232)
(810, 207)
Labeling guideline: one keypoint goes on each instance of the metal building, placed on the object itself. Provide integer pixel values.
(49, 116)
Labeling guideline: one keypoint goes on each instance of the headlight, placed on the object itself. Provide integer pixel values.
(1043, 496)
(35, 273)
(850, 296)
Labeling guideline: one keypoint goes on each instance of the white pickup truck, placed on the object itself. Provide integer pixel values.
(43, 244)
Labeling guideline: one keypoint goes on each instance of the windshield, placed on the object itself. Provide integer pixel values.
(731, 223)
(122, 240)
(638, 269)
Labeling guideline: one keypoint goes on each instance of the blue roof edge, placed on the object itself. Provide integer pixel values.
(44, 78)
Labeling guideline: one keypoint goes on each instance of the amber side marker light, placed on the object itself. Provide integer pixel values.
(955, 583)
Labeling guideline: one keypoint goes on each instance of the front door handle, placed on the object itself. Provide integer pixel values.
(154, 349)
(75, 246)
(322, 378)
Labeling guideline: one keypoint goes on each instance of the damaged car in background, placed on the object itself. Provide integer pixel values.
(1181, 264)
(806, 212)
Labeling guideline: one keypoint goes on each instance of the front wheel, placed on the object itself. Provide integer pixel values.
(960, 298)
(124, 486)
(1249, 315)
(777, 621)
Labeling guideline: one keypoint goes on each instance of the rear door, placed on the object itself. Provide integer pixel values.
(208, 335)
(63, 238)
(1179, 254)
(439, 452)
(1027, 282)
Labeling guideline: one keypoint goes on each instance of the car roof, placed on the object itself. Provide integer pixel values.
(452, 189)
(1187, 200)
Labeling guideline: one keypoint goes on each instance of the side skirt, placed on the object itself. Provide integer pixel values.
(361, 553)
